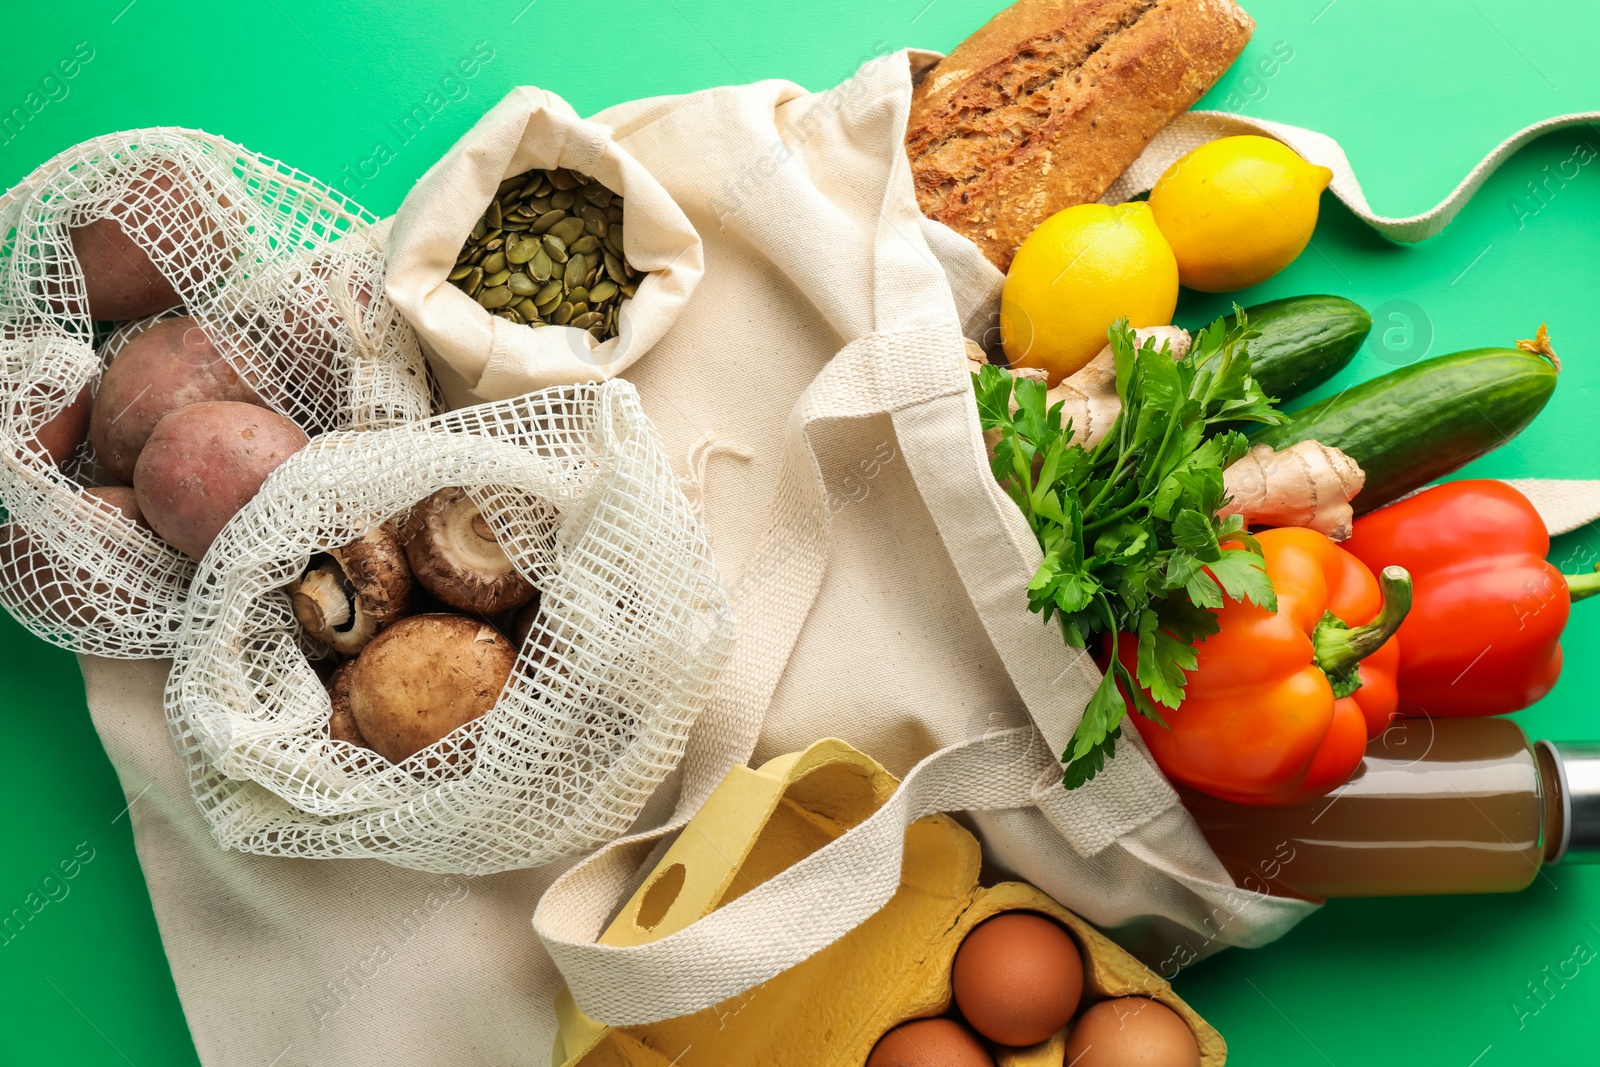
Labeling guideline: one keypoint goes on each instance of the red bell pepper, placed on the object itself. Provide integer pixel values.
(1483, 636)
(1280, 705)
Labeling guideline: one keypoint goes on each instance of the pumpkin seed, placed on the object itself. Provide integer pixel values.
(555, 248)
(576, 268)
(563, 179)
(499, 277)
(495, 263)
(528, 309)
(460, 273)
(578, 295)
(499, 296)
(473, 281)
(586, 320)
(597, 194)
(603, 291)
(513, 182)
(568, 229)
(522, 250)
(551, 293)
(614, 269)
(562, 314)
(630, 290)
(493, 214)
(480, 228)
(563, 199)
(541, 266)
(510, 315)
(586, 244)
(522, 285)
(547, 220)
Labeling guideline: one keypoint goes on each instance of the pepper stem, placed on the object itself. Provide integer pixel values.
(1339, 648)
(1582, 586)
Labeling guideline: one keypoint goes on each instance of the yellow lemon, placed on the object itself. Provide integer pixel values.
(1080, 271)
(1237, 211)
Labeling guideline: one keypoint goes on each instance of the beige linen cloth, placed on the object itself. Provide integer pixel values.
(878, 575)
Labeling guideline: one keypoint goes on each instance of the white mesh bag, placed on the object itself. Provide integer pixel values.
(632, 631)
(283, 274)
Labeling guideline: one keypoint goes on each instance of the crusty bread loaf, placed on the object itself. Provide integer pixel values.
(1047, 104)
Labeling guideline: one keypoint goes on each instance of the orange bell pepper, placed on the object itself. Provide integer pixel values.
(1280, 705)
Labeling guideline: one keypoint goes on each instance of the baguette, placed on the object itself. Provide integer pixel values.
(1046, 105)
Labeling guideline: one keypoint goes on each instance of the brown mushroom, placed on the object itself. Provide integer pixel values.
(342, 724)
(348, 595)
(454, 555)
(522, 623)
(424, 677)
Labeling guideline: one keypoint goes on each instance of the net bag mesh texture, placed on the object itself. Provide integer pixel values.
(632, 631)
(283, 274)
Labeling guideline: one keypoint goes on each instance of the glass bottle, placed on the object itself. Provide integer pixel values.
(1437, 806)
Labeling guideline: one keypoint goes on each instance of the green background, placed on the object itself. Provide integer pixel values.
(1416, 93)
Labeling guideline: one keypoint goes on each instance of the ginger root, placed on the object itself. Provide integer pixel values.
(1309, 484)
(1089, 397)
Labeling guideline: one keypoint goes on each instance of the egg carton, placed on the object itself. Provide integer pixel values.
(831, 1010)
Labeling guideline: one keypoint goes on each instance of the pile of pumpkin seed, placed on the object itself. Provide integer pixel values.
(548, 250)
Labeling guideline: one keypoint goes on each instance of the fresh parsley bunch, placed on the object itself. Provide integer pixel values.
(1132, 543)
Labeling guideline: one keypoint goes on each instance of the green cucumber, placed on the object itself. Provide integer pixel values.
(1305, 340)
(1421, 422)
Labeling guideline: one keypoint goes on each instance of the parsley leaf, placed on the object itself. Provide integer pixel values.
(1132, 544)
(1242, 573)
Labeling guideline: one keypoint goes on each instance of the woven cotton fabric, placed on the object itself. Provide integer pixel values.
(286, 278)
(632, 630)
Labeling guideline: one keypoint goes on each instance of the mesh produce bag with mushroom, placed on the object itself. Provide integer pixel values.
(535, 621)
(237, 280)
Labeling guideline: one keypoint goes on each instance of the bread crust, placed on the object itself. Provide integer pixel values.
(1047, 104)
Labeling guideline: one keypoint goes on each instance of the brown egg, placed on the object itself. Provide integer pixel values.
(1018, 978)
(929, 1043)
(1131, 1032)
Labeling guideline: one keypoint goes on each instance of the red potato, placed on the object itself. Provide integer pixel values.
(66, 430)
(60, 435)
(203, 463)
(168, 366)
(66, 595)
(163, 211)
(305, 341)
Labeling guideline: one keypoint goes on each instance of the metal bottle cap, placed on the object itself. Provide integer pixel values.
(1578, 764)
